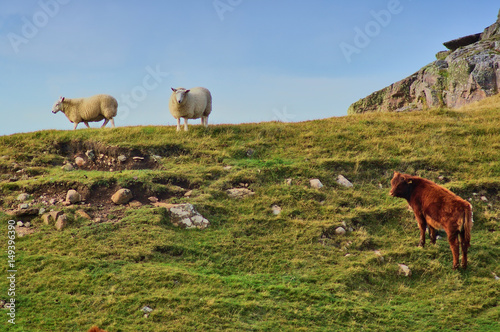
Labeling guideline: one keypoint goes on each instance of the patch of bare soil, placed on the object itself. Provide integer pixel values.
(102, 157)
(96, 199)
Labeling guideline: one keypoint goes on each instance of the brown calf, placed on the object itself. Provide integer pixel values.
(95, 329)
(436, 207)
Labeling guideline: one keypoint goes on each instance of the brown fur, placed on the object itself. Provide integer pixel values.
(95, 329)
(436, 207)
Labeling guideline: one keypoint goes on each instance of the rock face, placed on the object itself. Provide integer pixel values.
(468, 72)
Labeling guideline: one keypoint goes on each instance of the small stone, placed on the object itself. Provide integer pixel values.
(153, 199)
(184, 215)
(147, 309)
(73, 197)
(239, 192)
(188, 193)
(83, 214)
(90, 154)
(61, 222)
(97, 220)
(122, 158)
(24, 206)
(138, 158)
(344, 182)
(484, 199)
(340, 231)
(404, 269)
(122, 196)
(52, 201)
(20, 223)
(68, 168)
(23, 197)
(316, 183)
(50, 217)
(227, 168)
(27, 224)
(79, 161)
(288, 182)
(41, 211)
(276, 210)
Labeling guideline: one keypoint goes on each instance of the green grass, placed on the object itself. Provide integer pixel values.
(251, 270)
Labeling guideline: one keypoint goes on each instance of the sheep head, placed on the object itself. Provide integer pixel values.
(180, 94)
(58, 106)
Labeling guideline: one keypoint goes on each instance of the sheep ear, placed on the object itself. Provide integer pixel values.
(187, 91)
(62, 99)
(174, 90)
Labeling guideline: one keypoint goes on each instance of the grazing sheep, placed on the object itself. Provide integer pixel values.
(190, 104)
(87, 110)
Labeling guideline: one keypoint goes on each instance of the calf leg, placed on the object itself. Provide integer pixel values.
(432, 234)
(178, 124)
(465, 245)
(422, 225)
(185, 124)
(453, 240)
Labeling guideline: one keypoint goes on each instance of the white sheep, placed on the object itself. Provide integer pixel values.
(91, 109)
(194, 103)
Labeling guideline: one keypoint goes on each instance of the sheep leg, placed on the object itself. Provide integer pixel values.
(112, 122)
(185, 124)
(178, 124)
(87, 124)
(105, 123)
(204, 121)
(76, 124)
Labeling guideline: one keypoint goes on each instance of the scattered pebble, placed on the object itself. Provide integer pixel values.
(340, 230)
(276, 210)
(316, 183)
(344, 182)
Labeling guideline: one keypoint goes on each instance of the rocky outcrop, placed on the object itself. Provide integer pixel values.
(468, 72)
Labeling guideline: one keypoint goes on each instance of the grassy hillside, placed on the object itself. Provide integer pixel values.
(252, 270)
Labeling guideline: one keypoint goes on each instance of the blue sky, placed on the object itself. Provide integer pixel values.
(262, 60)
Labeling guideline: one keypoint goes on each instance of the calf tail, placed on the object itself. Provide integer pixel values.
(467, 225)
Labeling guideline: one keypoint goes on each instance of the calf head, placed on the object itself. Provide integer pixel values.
(401, 185)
